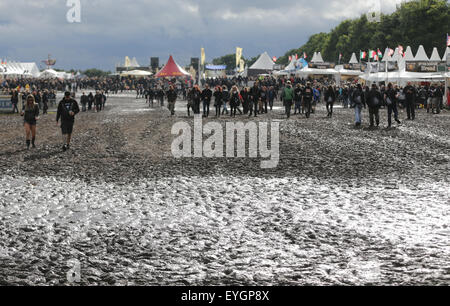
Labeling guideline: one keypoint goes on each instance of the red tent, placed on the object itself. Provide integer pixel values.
(171, 69)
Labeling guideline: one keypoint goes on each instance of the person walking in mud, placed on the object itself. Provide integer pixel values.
(67, 109)
(218, 100)
(391, 102)
(330, 98)
(206, 97)
(288, 96)
(410, 98)
(172, 99)
(358, 100)
(307, 99)
(30, 113)
(374, 104)
(15, 100)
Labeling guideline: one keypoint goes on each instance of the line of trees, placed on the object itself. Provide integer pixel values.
(415, 23)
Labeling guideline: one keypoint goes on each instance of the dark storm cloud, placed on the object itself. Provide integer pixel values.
(111, 29)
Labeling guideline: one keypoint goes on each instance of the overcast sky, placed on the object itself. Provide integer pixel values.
(111, 29)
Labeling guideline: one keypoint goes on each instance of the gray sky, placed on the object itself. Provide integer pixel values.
(111, 29)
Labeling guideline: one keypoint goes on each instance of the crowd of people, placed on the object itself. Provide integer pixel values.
(228, 96)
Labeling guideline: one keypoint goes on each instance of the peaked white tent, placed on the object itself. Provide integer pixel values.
(386, 56)
(317, 58)
(408, 54)
(134, 63)
(447, 51)
(353, 59)
(264, 64)
(421, 55)
(292, 65)
(49, 74)
(435, 56)
(20, 69)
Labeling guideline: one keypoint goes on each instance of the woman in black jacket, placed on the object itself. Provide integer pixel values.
(218, 100)
(330, 98)
(30, 113)
(235, 100)
(391, 102)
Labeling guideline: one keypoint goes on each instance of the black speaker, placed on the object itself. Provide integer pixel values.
(154, 63)
(195, 61)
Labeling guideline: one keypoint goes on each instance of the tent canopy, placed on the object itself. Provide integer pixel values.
(264, 62)
(421, 55)
(172, 69)
(435, 56)
(317, 58)
(353, 60)
(136, 73)
(408, 54)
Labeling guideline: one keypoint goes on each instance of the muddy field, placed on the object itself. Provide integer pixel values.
(345, 206)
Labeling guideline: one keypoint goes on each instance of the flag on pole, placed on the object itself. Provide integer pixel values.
(391, 52)
(290, 58)
(238, 56)
(363, 54)
(274, 59)
(304, 55)
(380, 55)
(448, 40)
(400, 50)
(340, 56)
(242, 63)
(203, 57)
(296, 56)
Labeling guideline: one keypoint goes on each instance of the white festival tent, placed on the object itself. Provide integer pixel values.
(19, 69)
(49, 74)
(421, 55)
(435, 56)
(137, 73)
(264, 62)
(346, 72)
(317, 59)
(444, 59)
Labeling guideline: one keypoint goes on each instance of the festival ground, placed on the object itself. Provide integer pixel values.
(345, 205)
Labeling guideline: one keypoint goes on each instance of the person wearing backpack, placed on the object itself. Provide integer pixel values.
(288, 96)
(374, 103)
(391, 102)
(358, 101)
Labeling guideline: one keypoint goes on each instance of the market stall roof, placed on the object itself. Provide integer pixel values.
(292, 65)
(264, 62)
(447, 51)
(49, 73)
(353, 60)
(340, 69)
(421, 54)
(408, 54)
(172, 69)
(215, 67)
(317, 58)
(137, 73)
(315, 71)
(386, 56)
(435, 57)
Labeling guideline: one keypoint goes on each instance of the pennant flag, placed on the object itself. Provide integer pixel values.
(238, 56)
(296, 56)
(304, 55)
(448, 40)
(203, 57)
(391, 52)
(290, 58)
(380, 55)
(363, 54)
(274, 59)
(400, 50)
